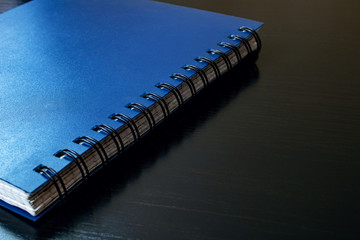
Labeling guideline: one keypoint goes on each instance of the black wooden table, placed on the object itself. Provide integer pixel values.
(269, 152)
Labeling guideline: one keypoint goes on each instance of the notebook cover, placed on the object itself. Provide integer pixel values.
(66, 65)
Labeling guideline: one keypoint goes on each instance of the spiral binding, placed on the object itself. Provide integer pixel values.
(130, 123)
(173, 90)
(75, 157)
(111, 132)
(199, 71)
(98, 147)
(223, 55)
(127, 121)
(51, 174)
(155, 97)
(255, 35)
(244, 40)
(211, 63)
(144, 110)
(186, 80)
(233, 48)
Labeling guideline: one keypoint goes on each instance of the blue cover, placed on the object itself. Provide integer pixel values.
(66, 65)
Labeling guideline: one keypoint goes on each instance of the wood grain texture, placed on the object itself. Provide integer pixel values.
(6, 5)
(272, 154)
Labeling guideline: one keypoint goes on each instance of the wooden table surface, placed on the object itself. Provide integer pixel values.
(269, 152)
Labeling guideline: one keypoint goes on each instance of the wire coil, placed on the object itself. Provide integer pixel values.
(51, 174)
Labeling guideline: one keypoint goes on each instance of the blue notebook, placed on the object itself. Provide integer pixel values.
(83, 80)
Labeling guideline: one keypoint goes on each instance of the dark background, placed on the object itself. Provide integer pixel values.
(267, 154)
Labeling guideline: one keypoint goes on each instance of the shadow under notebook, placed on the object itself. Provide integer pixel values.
(125, 170)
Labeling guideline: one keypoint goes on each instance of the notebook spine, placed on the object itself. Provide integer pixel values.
(51, 174)
(110, 131)
(144, 110)
(254, 34)
(186, 80)
(128, 122)
(79, 161)
(160, 101)
(223, 56)
(135, 133)
(173, 90)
